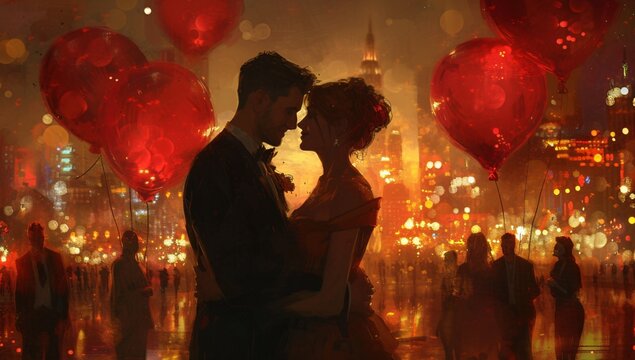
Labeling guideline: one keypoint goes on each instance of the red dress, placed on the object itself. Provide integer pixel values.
(358, 333)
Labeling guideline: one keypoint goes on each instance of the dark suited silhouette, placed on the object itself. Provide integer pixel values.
(163, 279)
(41, 299)
(516, 289)
(236, 214)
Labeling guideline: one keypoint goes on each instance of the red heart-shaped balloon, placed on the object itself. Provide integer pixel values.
(196, 26)
(78, 70)
(154, 124)
(489, 98)
(558, 34)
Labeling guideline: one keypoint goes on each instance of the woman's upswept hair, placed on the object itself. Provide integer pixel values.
(566, 242)
(364, 111)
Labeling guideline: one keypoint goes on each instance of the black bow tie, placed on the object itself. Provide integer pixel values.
(265, 155)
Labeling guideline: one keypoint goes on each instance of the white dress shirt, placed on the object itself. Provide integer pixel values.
(42, 291)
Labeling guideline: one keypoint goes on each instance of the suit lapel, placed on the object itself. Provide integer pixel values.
(28, 267)
(254, 169)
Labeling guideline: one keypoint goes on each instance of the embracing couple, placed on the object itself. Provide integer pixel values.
(269, 285)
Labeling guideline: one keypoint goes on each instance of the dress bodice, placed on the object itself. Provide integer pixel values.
(316, 219)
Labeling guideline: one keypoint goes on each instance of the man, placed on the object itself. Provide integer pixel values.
(176, 274)
(516, 289)
(41, 299)
(104, 276)
(236, 214)
(163, 279)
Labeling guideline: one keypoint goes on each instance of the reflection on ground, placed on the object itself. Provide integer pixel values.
(407, 298)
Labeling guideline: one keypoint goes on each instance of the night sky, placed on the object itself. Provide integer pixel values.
(325, 35)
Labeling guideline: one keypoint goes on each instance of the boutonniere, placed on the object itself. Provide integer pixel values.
(265, 155)
(283, 181)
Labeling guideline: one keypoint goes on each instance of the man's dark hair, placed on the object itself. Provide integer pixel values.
(36, 228)
(508, 237)
(276, 75)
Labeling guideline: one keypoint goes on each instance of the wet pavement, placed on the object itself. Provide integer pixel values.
(410, 308)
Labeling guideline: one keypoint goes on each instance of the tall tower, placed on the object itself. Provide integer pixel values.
(395, 153)
(371, 73)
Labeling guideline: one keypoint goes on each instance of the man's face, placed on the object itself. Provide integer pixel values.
(36, 239)
(508, 247)
(281, 115)
(131, 246)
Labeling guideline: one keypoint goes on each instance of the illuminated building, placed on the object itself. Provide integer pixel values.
(64, 159)
(371, 73)
(24, 174)
(7, 159)
(620, 107)
(584, 173)
(590, 175)
(394, 209)
(395, 153)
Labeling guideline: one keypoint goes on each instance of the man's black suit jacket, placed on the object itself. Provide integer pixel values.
(25, 286)
(232, 216)
(525, 286)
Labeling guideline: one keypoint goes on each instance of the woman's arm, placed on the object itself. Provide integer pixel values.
(330, 299)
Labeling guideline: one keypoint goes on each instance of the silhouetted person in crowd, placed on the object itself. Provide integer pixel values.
(78, 275)
(69, 275)
(41, 299)
(130, 306)
(85, 283)
(476, 303)
(163, 279)
(516, 289)
(149, 275)
(5, 281)
(446, 328)
(176, 273)
(104, 275)
(565, 283)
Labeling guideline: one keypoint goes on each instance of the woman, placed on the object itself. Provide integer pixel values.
(130, 301)
(476, 303)
(333, 227)
(565, 282)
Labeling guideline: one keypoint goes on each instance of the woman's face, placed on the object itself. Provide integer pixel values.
(558, 250)
(317, 135)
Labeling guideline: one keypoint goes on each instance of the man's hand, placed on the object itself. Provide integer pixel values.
(206, 287)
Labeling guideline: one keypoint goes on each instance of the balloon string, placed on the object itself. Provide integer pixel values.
(89, 168)
(533, 219)
(112, 211)
(525, 191)
(531, 231)
(501, 201)
(130, 203)
(147, 234)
